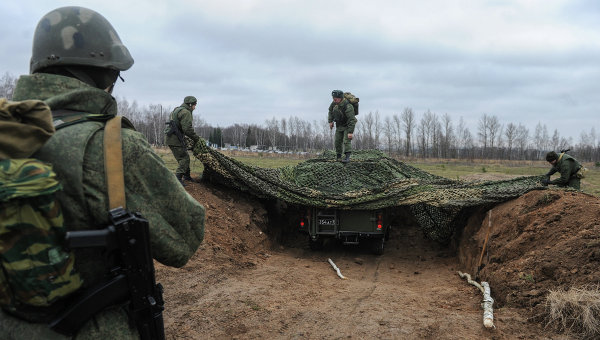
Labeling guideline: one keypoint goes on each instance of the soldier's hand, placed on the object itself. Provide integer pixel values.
(330, 125)
(199, 146)
(545, 182)
(350, 136)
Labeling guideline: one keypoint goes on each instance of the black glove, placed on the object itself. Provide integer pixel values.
(545, 182)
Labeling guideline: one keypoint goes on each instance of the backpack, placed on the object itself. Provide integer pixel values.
(353, 100)
(35, 268)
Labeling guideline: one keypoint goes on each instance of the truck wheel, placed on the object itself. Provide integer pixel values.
(378, 245)
(315, 244)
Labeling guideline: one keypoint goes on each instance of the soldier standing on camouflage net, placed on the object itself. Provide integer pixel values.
(77, 57)
(567, 166)
(342, 113)
(182, 116)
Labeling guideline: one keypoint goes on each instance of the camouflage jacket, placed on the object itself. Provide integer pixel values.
(343, 115)
(567, 166)
(76, 153)
(184, 117)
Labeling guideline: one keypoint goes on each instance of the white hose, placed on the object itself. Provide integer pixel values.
(336, 269)
(487, 304)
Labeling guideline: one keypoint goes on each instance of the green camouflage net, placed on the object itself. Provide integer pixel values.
(369, 181)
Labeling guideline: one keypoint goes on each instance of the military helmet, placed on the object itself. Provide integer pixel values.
(337, 94)
(551, 156)
(190, 100)
(77, 36)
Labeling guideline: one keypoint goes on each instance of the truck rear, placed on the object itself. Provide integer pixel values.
(356, 227)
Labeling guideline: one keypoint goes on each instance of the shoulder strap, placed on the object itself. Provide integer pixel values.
(174, 114)
(113, 163)
(560, 156)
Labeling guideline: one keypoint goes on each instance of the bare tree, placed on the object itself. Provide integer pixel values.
(388, 132)
(424, 131)
(368, 128)
(284, 130)
(397, 128)
(493, 126)
(272, 131)
(259, 136)
(522, 140)
(7, 86)
(555, 140)
(448, 135)
(377, 129)
(482, 133)
(511, 134)
(408, 124)
(158, 119)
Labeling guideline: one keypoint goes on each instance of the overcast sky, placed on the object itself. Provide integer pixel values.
(525, 61)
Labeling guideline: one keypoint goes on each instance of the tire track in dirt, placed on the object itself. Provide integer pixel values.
(370, 291)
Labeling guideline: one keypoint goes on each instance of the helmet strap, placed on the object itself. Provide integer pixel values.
(81, 75)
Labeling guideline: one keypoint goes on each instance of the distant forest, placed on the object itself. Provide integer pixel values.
(426, 135)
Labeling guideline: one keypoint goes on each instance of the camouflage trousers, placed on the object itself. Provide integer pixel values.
(342, 143)
(111, 323)
(183, 159)
(574, 183)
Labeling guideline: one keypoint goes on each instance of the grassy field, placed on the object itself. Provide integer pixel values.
(453, 169)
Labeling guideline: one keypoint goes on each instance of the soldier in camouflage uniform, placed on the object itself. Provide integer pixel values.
(567, 166)
(182, 116)
(342, 113)
(77, 57)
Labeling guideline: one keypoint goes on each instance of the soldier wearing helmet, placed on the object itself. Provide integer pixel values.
(76, 59)
(341, 112)
(181, 117)
(566, 166)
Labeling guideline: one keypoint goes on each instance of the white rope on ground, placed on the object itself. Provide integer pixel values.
(487, 304)
(336, 269)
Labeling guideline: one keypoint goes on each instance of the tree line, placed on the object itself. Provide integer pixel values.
(405, 134)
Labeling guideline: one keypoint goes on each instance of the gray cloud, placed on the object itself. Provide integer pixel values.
(524, 61)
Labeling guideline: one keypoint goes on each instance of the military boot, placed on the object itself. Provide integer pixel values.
(347, 158)
(189, 178)
(338, 157)
(180, 179)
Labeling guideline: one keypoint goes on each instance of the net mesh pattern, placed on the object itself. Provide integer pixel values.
(369, 181)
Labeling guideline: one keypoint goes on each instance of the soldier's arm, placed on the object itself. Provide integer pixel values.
(176, 219)
(330, 114)
(551, 172)
(565, 173)
(187, 126)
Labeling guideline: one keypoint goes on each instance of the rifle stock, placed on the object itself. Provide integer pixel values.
(132, 278)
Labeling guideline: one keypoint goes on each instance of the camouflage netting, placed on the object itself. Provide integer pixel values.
(370, 181)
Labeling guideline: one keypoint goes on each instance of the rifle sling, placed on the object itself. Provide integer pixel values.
(113, 163)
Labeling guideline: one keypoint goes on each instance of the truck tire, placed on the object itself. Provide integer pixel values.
(378, 246)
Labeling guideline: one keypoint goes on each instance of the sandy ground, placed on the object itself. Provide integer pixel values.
(251, 280)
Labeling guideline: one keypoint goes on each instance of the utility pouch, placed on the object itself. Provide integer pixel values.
(581, 172)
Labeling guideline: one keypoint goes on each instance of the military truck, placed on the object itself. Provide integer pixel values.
(371, 227)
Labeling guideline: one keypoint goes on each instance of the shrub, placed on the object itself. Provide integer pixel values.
(575, 311)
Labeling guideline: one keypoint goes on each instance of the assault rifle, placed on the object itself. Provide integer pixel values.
(172, 128)
(131, 279)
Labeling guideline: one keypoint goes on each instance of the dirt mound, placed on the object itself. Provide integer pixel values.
(234, 239)
(544, 240)
(247, 281)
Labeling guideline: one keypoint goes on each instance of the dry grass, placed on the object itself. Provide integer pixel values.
(576, 311)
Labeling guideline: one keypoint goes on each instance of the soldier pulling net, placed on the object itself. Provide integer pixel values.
(371, 181)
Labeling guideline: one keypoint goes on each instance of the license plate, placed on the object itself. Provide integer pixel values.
(326, 222)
